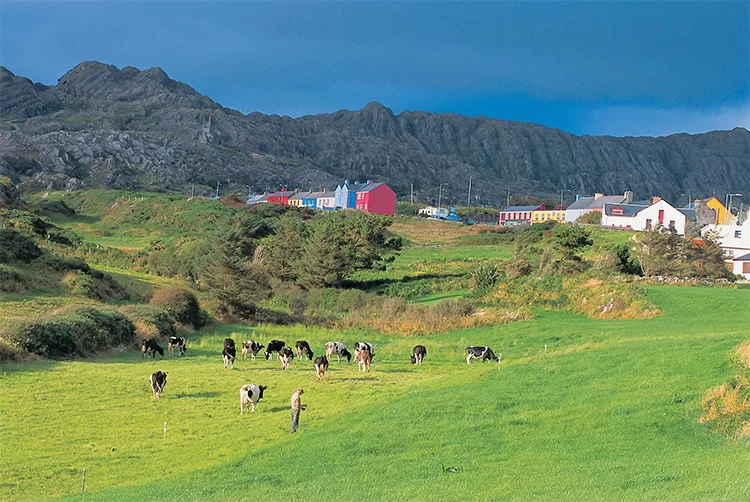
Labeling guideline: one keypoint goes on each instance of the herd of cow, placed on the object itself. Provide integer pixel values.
(250, 394)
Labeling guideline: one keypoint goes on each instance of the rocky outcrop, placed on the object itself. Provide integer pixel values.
(102, 126)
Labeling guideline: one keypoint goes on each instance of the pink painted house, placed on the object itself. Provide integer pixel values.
(376, 198)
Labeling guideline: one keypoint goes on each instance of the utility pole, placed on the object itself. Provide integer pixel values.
(468, 197)
(217, 189)
(411, 193)
(192, 191)
(508, 204)
(440, 196)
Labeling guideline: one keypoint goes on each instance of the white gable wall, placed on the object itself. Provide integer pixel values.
(640, 220)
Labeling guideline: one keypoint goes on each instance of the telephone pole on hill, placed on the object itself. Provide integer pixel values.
(468, 197)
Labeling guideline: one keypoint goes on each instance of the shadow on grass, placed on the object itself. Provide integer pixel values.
(375, 284)
(197, 395)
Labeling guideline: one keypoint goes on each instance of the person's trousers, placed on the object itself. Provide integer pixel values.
(295, 420)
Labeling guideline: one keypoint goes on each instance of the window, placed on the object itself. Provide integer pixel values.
(738, 234)
(671, 224)
(617, 211)
(729, 253)
(648, 224)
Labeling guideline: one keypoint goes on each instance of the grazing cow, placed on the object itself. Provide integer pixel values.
(176, 342)
(252, 347)
(149, 347)
(364, 358)
(303, 349)
(417, 354)
(339, 349)
(321, 365)
(158, 381)
(483, 353)
(250, 394)
(363, 346)
(274, 346)
(229, 354)
(285, 355)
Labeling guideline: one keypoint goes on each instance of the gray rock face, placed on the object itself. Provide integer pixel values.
(102, 126)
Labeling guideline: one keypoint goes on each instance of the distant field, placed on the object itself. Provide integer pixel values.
(608, 412)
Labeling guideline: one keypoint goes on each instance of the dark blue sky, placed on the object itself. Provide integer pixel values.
(632, 68)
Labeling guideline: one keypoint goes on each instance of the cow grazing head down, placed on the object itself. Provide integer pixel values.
(348, 355)
(483, 353)
(417, 354)
(149, 348)
(321, 365)
(285, 356)
(274, 346)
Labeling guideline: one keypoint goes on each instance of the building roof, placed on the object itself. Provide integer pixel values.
(743, 258)
(299, 195)
(593, 203)
(520, 208)
(627, 209)
(689, 213)
(368, 187)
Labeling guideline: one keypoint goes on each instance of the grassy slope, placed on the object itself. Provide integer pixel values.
(609, 412)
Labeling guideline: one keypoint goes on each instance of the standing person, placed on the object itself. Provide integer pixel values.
(296, 408)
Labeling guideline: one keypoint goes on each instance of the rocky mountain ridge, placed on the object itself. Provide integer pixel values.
(101, 126)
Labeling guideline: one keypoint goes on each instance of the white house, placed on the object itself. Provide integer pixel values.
(741, 266)
(734, 239)
(644, 217)
(326, 201)
(434, 212)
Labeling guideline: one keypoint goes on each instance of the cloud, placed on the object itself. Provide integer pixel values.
(635, 120)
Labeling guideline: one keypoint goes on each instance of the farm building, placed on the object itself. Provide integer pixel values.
(518, 215)
(584, 205)
(644, 217)
(376, 198)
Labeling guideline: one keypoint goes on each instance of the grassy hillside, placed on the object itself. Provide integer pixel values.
(609, 411)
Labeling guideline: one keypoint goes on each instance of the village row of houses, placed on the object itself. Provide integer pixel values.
(370, 197)
(622, 212)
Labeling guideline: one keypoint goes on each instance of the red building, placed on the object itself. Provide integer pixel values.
(376, 198)
(281, 197)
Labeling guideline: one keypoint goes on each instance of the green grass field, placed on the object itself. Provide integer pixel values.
(608, 412)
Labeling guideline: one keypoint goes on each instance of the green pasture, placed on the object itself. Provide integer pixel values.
(607, 412)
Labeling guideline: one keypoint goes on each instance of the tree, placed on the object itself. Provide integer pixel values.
(284, 250)
(327, 257)
(658, 251)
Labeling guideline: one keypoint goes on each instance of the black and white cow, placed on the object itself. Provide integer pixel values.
(417, 354)
(364, 358)
(321, 365)
(363, 346)
(274, 346)
(229, 354)
(252, 347)
(339, 349)
(158, 381)
(177, 342)
(149, 347)
(250, 394)
(285, 356)
(303, 349)
(483, 353)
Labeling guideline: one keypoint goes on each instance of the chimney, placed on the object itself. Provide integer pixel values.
(628, 197)
(597, 195)
(655, 199)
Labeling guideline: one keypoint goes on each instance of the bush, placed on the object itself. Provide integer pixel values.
(11, 281)
(485, 277)
(181, 303)
(150, 321)
(70, 332)
(16, 247)
(11, 353)
(592, 218)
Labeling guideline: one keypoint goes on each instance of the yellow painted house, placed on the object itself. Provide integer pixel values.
(722, 215)
(548, 215)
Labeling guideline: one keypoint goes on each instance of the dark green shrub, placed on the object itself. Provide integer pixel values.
(181, 303)
(74, 331)
(485, 277)
(11, 281)
(16, 247)
(62, 263)
(151, 320)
